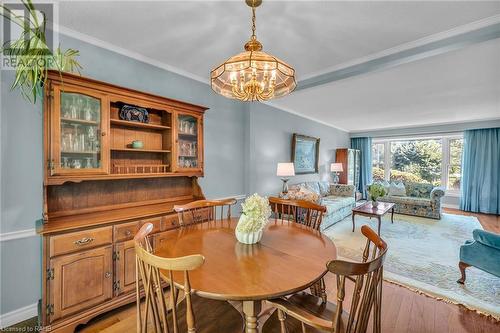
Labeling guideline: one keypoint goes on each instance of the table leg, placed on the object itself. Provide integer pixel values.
(392, 215)
(379, 223)
(353, 221)
(251, 309)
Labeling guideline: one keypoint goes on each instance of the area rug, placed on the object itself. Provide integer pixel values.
(423, 255)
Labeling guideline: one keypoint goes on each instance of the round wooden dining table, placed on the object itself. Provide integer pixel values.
(290, 257)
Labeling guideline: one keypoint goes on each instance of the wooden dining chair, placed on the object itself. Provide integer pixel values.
(298, 211)
(204, 210)
(301, 310)
(306, 213)
(162, 309)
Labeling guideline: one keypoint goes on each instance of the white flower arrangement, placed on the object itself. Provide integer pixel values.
(255, 215)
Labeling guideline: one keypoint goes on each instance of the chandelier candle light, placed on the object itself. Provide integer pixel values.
(253, 75)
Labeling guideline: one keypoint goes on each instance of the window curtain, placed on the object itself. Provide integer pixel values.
(480, 188)
(364, 145)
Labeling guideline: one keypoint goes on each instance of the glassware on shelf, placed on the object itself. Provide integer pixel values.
(87, 112)
(80, 106)
(66, 109)
(75, 144)
(88, 163)
(191, 128)
(66, 141)
(77, 164)
(81, 142)
(65, 163)
(72, 109)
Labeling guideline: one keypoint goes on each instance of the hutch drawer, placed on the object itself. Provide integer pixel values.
(126, 231)
(80, 240)
(156, 221)
(170, 221)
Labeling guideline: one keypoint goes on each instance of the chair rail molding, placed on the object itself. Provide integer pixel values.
(7, 236)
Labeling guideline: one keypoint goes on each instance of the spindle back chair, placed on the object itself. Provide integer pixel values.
(306, 213)
(367, 277)
(204, 210)
(298, 211)
(148, 268)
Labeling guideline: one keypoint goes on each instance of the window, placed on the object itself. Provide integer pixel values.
(455, 164)
(435, 160)
(417, 161)
(378, 161)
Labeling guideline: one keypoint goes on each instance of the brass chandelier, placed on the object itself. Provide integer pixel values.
(253, 75)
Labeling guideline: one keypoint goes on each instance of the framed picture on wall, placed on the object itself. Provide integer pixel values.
(305, 153)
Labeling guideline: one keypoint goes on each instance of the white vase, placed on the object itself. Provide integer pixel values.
(374, 203)
(248, 237)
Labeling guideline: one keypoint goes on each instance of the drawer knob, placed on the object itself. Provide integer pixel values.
(128, 233)
(84, 241)
(107, 275)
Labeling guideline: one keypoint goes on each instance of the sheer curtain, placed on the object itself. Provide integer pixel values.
(364, 145)
(480, 188)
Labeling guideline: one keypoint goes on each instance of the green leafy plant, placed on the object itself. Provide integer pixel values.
(376, 191)
(30, 54)
(255, 214)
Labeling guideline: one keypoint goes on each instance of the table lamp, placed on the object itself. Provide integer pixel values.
(336, 168)
(285, 170)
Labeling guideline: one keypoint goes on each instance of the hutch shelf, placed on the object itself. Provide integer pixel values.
(99, 189)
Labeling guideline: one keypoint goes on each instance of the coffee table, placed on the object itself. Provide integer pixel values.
(367, 209)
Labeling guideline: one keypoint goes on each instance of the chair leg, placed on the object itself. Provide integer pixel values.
(281, 317)
(462, 266)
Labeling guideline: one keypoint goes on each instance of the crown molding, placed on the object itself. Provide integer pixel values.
(285, 109)
(462, 29)
(432, 128)
(128, 53)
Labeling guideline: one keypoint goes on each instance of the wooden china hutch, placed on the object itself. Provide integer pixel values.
(115, 158)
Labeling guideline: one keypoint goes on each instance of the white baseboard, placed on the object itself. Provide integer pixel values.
(19, 315)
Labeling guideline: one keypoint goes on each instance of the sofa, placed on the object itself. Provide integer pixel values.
(337, 198)
(421, 199)
(482, 252)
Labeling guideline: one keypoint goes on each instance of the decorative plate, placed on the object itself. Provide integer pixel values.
(134, 113)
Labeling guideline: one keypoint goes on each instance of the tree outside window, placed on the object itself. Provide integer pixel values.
(455, 164)
(378, 161)
(418, 161)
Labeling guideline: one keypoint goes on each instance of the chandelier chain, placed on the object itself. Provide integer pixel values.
(253, 22)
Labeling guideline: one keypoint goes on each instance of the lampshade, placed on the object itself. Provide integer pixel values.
(253, 75)
(336, 167)
(285, 170)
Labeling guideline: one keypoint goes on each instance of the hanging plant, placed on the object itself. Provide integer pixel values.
(31, 55)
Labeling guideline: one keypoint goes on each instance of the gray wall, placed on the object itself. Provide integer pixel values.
(243, 143)
(270, 142)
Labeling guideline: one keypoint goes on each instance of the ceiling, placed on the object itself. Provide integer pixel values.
(314, 36)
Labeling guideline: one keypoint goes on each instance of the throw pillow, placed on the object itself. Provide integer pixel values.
(303, 194)
(397, 190)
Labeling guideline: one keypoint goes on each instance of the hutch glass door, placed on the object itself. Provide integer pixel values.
(80, 122)
(188, 142)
